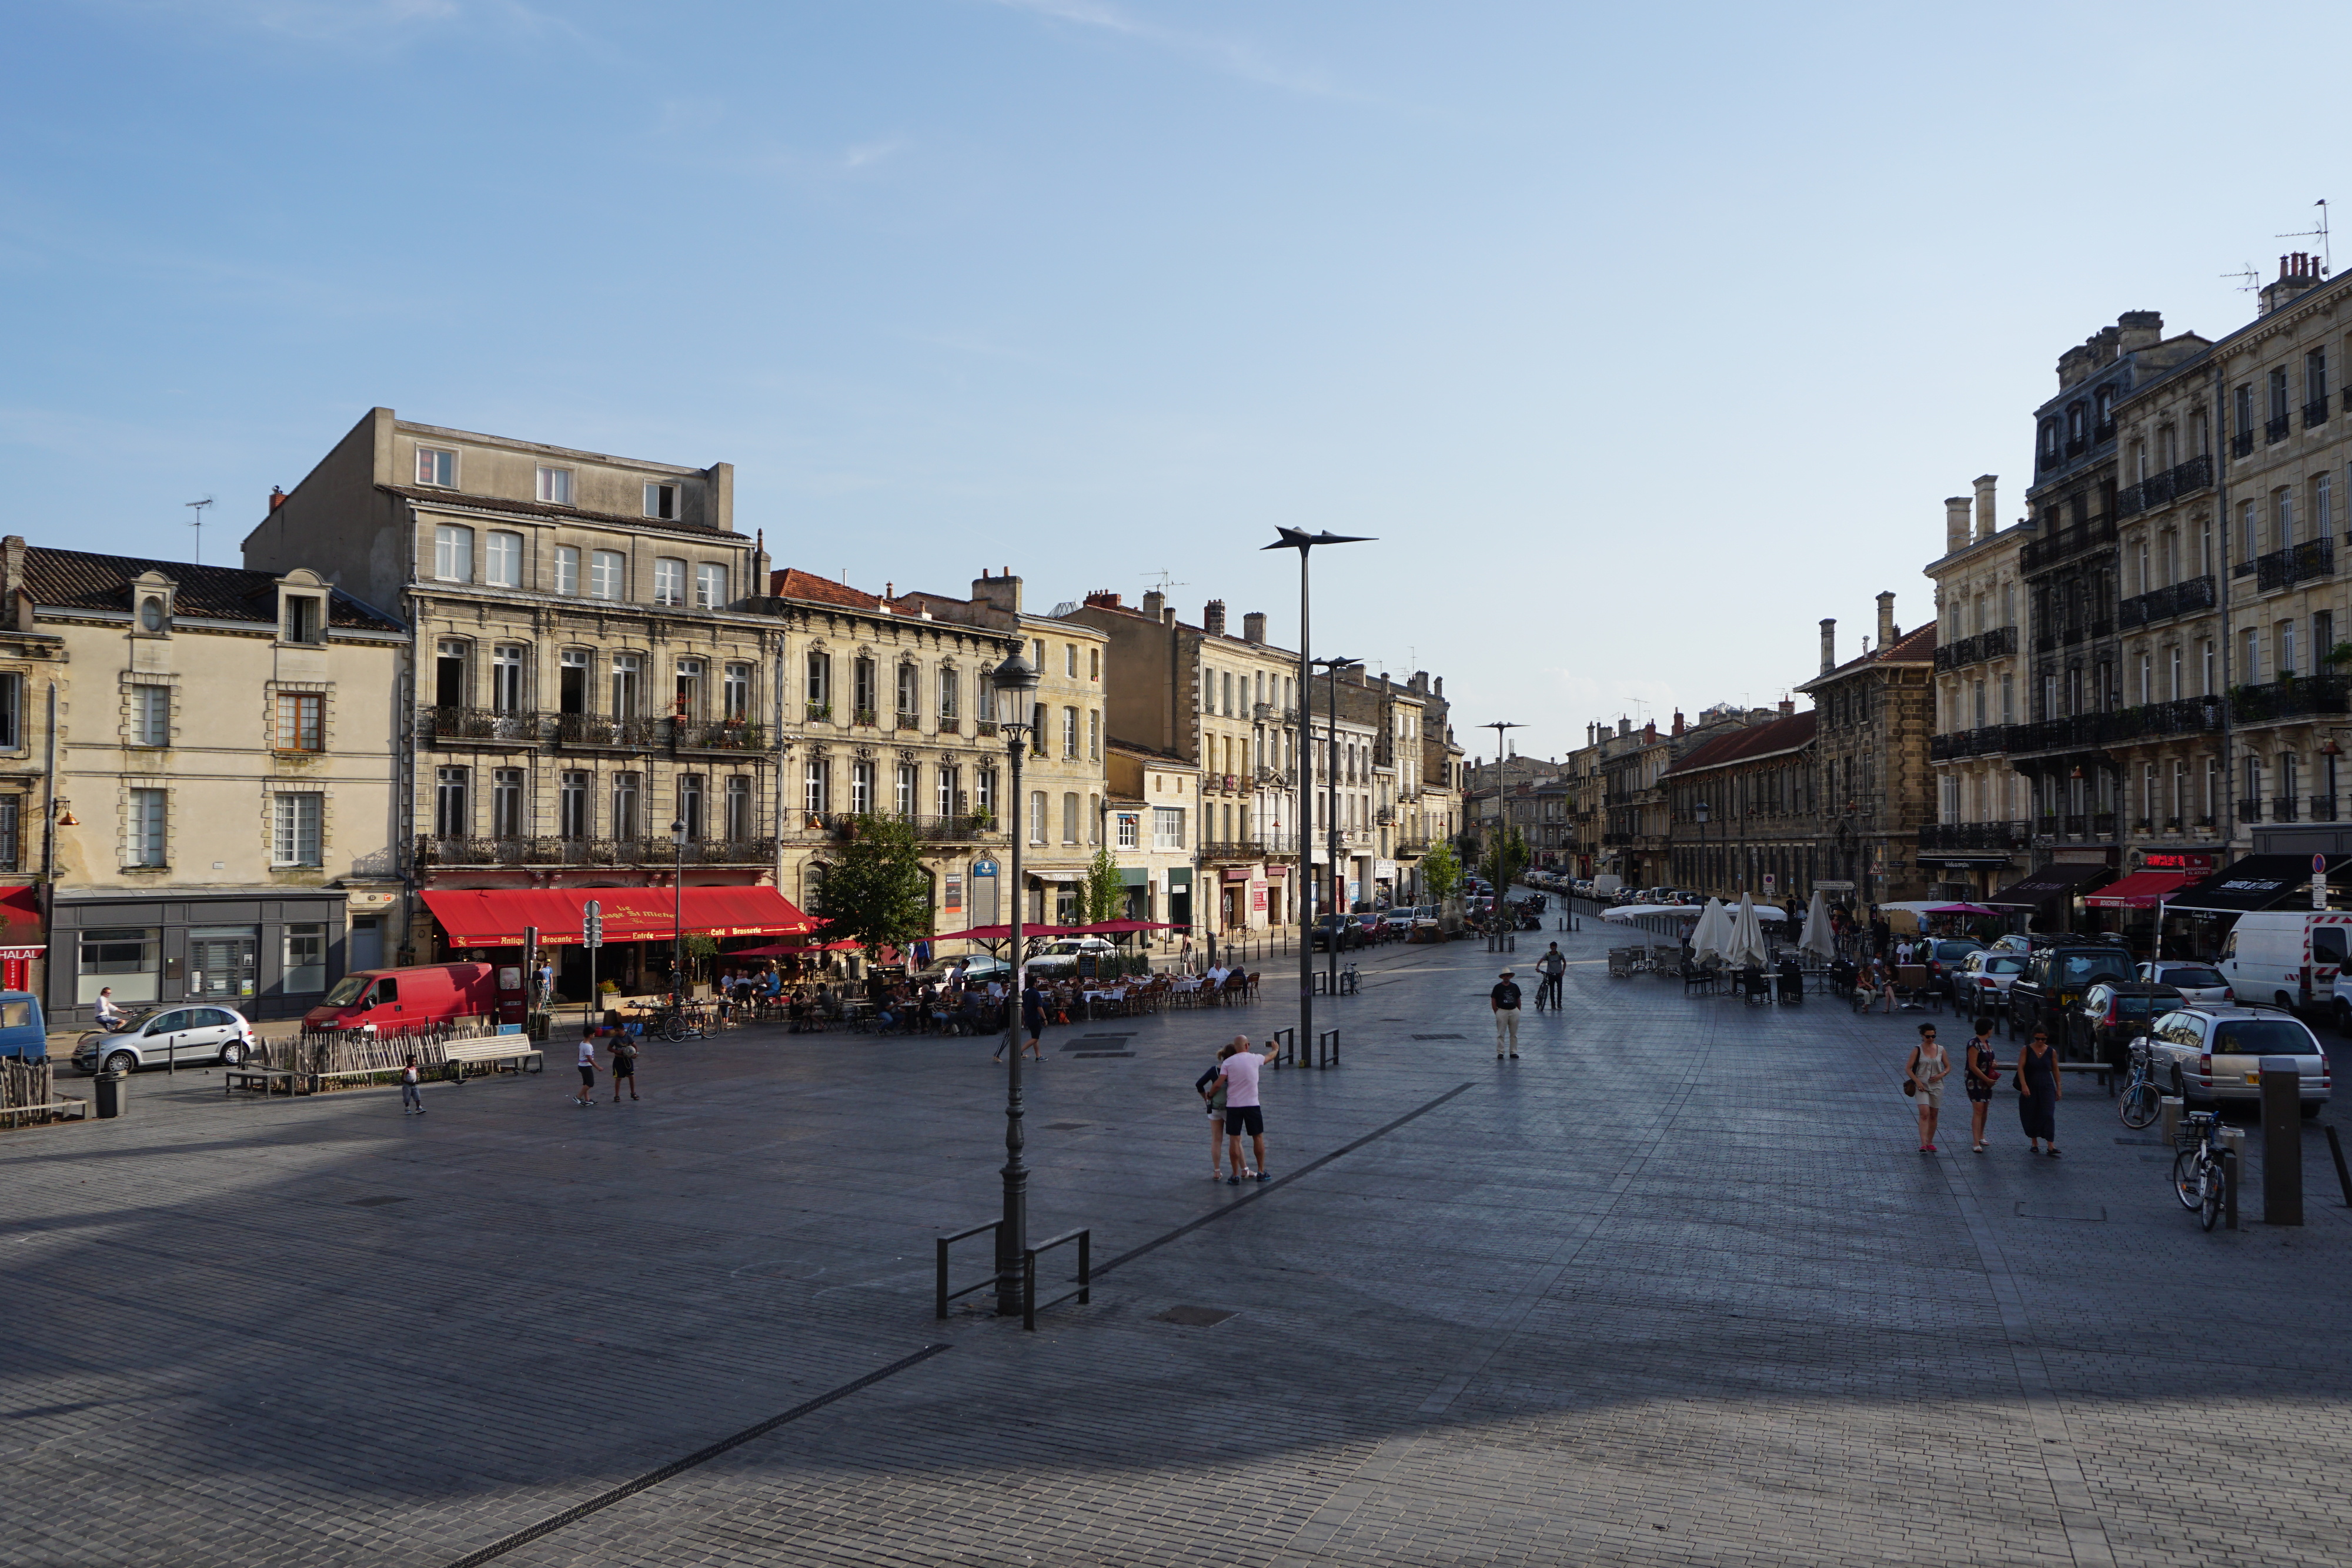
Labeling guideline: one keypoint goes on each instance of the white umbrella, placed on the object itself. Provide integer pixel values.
(1747, 935)
(1817, 938)
(1713, 933)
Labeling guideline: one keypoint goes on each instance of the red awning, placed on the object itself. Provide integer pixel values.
(1003, 933)
(21, 933)
(495, 916)
(2141, 890)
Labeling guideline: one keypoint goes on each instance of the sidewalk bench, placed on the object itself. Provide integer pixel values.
(515, 1050)
(266, 1079)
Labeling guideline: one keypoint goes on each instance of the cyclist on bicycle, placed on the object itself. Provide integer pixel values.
(1551, 967)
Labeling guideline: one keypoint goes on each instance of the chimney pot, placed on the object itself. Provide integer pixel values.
(1212, 617)
(1154, 602)
(1956, 523)
(1254, 626)
(1885, 621)
(276, 497)
(1787, 707)
(1988, 510)
(1829, 644)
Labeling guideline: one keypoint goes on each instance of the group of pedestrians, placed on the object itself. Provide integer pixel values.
(622, 1057)
(1229, 1088)
(2038, 1087)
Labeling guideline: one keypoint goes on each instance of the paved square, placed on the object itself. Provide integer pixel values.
(1671, 1288)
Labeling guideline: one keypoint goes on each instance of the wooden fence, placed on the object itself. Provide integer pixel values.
(337, 1051)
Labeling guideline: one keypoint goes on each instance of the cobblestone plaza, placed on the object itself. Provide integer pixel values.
(1671, 1288)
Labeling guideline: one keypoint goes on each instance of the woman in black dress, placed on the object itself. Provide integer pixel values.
(2037, 1093)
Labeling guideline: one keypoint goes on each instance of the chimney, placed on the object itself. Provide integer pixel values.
(277, 497)
(2297, 274)
(1102, 598)
(1787, 707)
(1437, 687)
(1625, 726)
(1956, 523)
(1829, 644)
(1168, 615)
(1000, 592)
(1988, 510)
(1212, 617)
(1154, 602)
(12, 579)
(1254, 626)
(1650, 733)
(1678, 721)
(1885, 621)
(2141, 329)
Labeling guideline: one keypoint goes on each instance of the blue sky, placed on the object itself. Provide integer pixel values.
(1641, 337)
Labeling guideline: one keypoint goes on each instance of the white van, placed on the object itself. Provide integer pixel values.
(2287, 956)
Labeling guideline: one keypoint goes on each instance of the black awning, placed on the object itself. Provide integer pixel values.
(2059, 879)
(2257, 882)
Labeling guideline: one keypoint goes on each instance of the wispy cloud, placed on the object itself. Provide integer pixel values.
(1233, 57)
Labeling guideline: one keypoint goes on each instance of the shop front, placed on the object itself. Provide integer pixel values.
(266, 958)
(641, 924)
(24, 937)
(2051, 899)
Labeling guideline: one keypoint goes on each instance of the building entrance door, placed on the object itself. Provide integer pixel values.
(220, 961)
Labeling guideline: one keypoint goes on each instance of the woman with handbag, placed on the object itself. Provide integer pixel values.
(1923, 1080)
(1981, 1074)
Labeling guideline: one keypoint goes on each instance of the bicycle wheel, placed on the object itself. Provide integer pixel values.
(2214, 1192)
(674, 1027)
(2188, 1183)
(2140, 1105)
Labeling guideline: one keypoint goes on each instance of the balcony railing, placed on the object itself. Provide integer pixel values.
(1984, 645)
(1411, 849)
(817, 712)
(436, 851)
(1249, 849)
(2164, 603)
(1990, 740)
(2064, 542)
(963, 828)
(2296, 563)
(2283, 809)
(2159, 489)
(2249, 810)
(719, 734)
(2274, 429)
(2086, 730)
(482, 724)
(617, 734)
(2103, 824)
(2242, 443)
(2323, 807)
(2316, 412)
(2290, 699)
(1975, 835)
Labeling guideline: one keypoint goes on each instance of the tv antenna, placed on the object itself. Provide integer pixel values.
(2248, 279)
(2319, 234)
(199, 526)
(1167, 579)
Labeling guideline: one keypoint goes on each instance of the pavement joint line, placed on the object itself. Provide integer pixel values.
(629, 1489)
(1265, 1188)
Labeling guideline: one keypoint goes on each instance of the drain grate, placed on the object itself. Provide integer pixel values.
(1194, 1317)
(376, 1202)
(1441, 1037)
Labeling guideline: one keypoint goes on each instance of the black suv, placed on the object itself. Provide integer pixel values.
(2111, 1015)
(1348, 928)
(2055, 979)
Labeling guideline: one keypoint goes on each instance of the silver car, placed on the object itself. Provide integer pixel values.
(2198, 984)
(2210, 1054)
(180, 1036)
(1981, 982)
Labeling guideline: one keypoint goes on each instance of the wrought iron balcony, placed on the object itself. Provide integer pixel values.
(962, 828)
(588, 729)
(2103, 824)
(1990, 740)
(2249, 810)
(2159, 489)
(1975, 835)
(473, 851)
(486, 726)
(2296, 563)
(2061, 543)
(2316, 412)
(2323, 807)
(719, 734)
(2283, 809)
(2242, 443)
(816, 713)
(1993, 644)
(2290, 699)
(1273, 845)
(2274, 429)
(2164, 603)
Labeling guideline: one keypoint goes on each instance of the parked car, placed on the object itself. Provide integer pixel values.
(2213, 1054)
(2198, 984)
(1981, 984)
(1943, 958)
(23, 1031)
(2055, 981)
(1342, 929)
(175, 1036)
(418, 997)
(1058, 958)
(2286, 957)
(2111, 1015)
(980, 968)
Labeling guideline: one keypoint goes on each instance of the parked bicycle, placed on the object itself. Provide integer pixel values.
(2142, 1095)
(2199, 1178)
(675, 1023)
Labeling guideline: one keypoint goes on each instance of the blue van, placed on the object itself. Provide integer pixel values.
(22, 1031)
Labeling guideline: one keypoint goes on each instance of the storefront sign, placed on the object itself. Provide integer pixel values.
(1257, 895)
(952, 894)
(2167, 861)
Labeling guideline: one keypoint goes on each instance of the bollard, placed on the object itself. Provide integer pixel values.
(2281, 1087)
(2170, 1109)
(2342, 1173)
(2234, 1162)
(1327, 1049)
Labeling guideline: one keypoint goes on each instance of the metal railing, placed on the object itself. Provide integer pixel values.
(2323, 807)
(1249, 849)
(2274, 429)
(438, 850)
(2249, 810)
(718, 735)
(1975, 835)
(617, 734)
(2291, 698)
(967, 826)
(2295, 563)
(2163, 603)
(2286, 809)
(2242, 443)
(1974, 650)
(2158, 489)
(481, 724)
(2316, 412)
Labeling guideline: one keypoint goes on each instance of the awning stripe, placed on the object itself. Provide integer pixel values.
(495, 916)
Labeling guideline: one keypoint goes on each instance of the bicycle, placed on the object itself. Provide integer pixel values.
(2200, 1179)
(1548, 993)
(2142, 1095)
(678, 1023)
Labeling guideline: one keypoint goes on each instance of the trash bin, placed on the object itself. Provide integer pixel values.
(539, 1026)
(113, 1094)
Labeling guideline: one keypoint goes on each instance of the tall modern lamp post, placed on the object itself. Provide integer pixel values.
(1331, 809)
(1702, 812)
(1015, 680)
(677, 918)
(1304, 543)
(1502, 815)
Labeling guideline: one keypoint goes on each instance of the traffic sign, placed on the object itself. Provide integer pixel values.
(2319, 881)
(592, 924)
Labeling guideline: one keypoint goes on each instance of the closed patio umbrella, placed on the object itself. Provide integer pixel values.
(1746, 948)
(1817, 938)
(1713, 933)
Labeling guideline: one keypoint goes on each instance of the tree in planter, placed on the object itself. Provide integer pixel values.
(1441, 873)
(1100, 900)
(877, 896)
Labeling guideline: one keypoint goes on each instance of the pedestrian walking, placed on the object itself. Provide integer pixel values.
(1923, 1080)
(1505, 1001)
(1980, 1075)
(1211, 1087)
(587, 1095)
(2037, 1093)
(412, 1099)
(625, 1066)
(1033, 1018)
(1238, 1078)
(1551, 967)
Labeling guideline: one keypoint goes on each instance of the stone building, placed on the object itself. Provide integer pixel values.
(227, 778)
(1982, 837)
(1758, 783)
(1636, 837)
(1875, 718)
(1397, 832)
(1154, 804)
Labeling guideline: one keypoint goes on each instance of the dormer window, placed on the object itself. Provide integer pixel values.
(304, 622)
(555, 486)
(661, 501)
(151, 613)
(436, 468)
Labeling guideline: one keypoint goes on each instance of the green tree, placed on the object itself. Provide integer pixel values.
(1505, 857)
(1104, 888)
(1441, 873)
(877, 895)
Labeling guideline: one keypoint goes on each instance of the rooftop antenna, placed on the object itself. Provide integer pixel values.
(2319, 234)
(1167, 579)
(2248, 279)
(199, 526)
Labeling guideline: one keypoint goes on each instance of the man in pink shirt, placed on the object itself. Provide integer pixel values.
(1239, 1080)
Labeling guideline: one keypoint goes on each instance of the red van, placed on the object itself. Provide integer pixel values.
(391, 1000)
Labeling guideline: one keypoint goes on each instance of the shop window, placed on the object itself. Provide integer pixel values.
(304, 965)
(125, 959)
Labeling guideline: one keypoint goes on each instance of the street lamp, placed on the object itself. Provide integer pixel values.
(1702, 812)
(1304, 542)
(1502, 820)
(1015, 680)
(1331, 808)
(678, 919)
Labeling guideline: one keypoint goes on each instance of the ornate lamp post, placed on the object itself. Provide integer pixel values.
(1014, 681)
(677, 918)
(1702, 812)
(1303, 542)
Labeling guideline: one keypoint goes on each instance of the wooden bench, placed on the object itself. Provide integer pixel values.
(266, 1079)
(515, 1049)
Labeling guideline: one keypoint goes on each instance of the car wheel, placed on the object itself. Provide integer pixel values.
(2342, 1017)
(2312, 1107)
(122, 1061)
(232, 1054)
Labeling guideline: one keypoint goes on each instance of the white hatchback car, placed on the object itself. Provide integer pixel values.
(179, 1036)
(2198, 984)
(1981, 982)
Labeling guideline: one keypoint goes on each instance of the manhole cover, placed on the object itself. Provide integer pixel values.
(2094, 1213)
(1194, 1317)
(1441, 1037)
(377, 1202)
(1064, 1126)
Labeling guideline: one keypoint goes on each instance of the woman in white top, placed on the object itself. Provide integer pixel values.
(1926, 1071)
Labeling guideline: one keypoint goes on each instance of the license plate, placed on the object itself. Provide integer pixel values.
(2253, 1078)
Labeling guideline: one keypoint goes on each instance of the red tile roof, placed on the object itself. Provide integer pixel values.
(1916, 646)
(1757, 740)
(792, 582)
